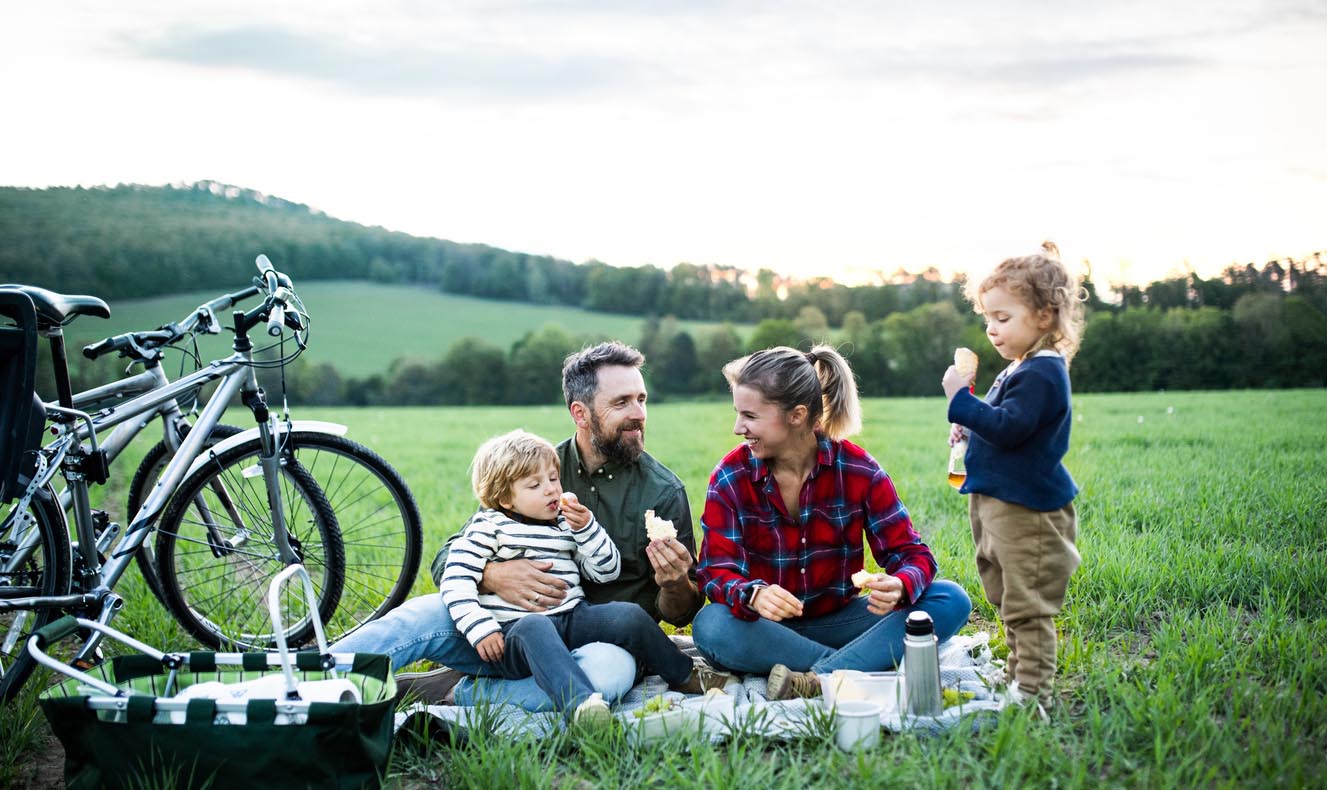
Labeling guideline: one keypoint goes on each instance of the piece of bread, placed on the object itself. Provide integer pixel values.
(965, 362)
(569, 498)
(860, 578)
(659, 528)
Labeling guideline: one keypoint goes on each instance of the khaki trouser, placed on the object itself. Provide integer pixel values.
(1025, 558)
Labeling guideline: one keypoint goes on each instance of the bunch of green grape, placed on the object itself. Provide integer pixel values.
(954, 697)
(655, 704)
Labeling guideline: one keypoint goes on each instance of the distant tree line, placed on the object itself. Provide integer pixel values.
(1266, 338)
(1248, 327)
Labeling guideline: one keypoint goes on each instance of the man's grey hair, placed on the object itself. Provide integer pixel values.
(580, 371)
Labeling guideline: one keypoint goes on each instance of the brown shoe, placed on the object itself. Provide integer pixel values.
(431, 687)
(702, 679)
(784, 683)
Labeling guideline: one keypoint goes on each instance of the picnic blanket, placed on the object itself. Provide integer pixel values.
(966, 664)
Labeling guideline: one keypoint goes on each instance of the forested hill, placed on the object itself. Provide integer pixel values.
(136, 241)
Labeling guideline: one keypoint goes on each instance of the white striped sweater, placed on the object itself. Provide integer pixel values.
(492, 536)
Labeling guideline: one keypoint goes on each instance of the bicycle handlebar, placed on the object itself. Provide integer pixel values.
(143, 345)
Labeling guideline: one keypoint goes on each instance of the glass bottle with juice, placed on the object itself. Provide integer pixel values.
(965, 360)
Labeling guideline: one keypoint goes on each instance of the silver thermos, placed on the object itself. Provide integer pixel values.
(921, 666)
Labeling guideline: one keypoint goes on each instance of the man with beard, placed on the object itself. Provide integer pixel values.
(605, 465)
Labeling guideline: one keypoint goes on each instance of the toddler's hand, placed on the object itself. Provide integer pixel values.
(954, 381)
(957, 433)
(490, 647)
(578, 516)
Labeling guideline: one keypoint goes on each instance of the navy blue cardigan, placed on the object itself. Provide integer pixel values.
(1019, 435)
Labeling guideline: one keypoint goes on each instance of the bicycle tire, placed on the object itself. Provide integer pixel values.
(378, 518)
(44, 572)
(218, 592)
(145, 476)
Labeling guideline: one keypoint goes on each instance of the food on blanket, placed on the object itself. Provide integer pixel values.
(954, 697)
(965, 362)
(656, 704)
(659, 528)
(860, 578)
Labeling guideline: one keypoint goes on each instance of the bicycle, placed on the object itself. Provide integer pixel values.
(232, 510)
(381, 528)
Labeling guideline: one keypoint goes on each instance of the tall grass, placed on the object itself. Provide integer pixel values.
(1192, 644)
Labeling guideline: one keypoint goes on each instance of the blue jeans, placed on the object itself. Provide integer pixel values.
(851, 638)
(422, 629)
(539, 645)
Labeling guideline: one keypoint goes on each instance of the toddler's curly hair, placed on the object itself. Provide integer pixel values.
(1040, 281)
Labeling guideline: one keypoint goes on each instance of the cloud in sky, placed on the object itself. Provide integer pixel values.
(376, 70)
(810, 137)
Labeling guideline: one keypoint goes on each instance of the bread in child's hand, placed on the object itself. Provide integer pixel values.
(659, 528)
(569, 498)
(965, 362)
(860, 578)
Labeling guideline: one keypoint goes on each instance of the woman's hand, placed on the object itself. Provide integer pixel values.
(886, 593)
(490, 647)
(954, 382)
(775, 603)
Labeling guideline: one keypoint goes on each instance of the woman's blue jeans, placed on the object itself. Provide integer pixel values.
(851, 638)
(422, 629)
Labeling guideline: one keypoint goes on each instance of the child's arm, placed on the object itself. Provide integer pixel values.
(1031, 399)
(596, 555)
(469, 554)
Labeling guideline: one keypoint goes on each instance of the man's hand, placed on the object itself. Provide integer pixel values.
(886, 593)
(524, 583)
(578, 516)
(490, 647)
(775, 603)
(954, 382)
(670, 560)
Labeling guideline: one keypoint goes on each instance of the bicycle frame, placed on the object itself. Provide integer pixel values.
(96, 580)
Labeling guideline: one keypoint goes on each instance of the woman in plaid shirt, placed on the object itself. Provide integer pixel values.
(785, 517)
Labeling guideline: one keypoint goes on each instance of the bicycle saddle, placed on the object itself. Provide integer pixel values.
(55, 308)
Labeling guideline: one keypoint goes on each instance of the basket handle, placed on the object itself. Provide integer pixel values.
(67, 625)
(274, 609)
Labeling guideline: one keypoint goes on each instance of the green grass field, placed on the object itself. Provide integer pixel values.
(1192, 650)
(361, 327)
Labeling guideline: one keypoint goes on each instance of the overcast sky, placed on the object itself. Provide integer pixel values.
(808, 137)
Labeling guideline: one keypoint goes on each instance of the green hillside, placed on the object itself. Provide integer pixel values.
(360, 327)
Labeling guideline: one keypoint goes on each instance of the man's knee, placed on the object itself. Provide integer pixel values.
(611, 670)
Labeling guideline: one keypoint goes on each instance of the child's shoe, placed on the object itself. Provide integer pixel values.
(703, 679)
(785, 683)
(1019, 697)
(593, 712)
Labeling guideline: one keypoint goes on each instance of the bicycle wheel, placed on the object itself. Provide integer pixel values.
(34, 560)
(216, 551)
(378, 519)
(149, 470)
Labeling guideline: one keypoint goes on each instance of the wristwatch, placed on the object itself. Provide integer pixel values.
(750, 593)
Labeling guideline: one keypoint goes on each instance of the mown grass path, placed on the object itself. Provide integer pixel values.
(1192, 646)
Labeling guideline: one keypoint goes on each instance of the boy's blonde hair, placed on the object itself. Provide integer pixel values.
(502, 460)
(1040, 281)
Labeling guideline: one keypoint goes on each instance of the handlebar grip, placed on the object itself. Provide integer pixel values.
(264, 265)
(100, 347)
(54, 632)
(276, 320)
